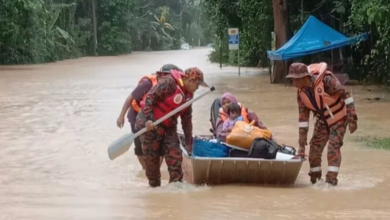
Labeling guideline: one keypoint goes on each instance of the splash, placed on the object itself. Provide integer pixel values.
(349, 182)
(134, 181)
(180, 187)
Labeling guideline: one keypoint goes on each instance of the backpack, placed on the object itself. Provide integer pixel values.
(263, 148)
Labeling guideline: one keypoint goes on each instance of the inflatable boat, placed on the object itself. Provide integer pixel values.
(283, 170)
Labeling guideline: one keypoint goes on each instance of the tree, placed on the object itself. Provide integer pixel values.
(160, 29)
(36, 31)
(280, 29)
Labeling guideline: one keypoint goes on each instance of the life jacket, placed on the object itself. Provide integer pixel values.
(317, 68)
(136, 104)
(179, 97)
(322, 104)
(244, 114)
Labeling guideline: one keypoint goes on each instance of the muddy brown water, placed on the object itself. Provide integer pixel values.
(58, 119)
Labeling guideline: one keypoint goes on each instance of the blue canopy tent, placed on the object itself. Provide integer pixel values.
(313, 37)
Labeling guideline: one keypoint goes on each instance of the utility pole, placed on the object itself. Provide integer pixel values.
(95, 44)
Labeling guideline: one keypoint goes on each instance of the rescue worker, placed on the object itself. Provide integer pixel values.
(133, 101)
(321, 92)
(170, 92)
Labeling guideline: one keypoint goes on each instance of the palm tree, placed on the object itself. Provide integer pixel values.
(159, 26)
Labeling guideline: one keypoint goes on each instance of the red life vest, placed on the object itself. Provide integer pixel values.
(322, 104)
(178, 97)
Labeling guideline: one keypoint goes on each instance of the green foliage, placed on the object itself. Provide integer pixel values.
(115, 17)
(373, 16)
(162, 30)
(36, 31)
(20, 38)
(369, 60)
(375, 142)
(255, 22)
(257, 25)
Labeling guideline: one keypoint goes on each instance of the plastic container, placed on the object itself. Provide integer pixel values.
(205, 148)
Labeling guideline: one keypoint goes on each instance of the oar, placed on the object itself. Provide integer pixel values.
(123, 144)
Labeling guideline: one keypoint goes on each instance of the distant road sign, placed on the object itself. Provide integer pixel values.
(234, 39)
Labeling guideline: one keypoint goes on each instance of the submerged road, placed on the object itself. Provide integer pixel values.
(58, 120)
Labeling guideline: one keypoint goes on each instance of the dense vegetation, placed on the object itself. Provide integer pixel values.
(36, 31)
(368, 60)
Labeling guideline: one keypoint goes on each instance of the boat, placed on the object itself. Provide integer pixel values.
(283, 170)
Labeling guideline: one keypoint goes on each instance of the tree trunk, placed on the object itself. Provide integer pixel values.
(280, 29)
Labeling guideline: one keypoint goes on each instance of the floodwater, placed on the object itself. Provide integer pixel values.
(58, 119)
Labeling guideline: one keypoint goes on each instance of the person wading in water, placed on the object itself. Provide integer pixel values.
(132, 105)
(170, 92)
(321, 92)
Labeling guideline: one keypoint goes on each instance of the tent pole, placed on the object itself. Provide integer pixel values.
(331, 54)
(270, 71)
(284, 73)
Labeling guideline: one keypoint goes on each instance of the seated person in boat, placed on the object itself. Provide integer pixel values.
(247, 115)
(234, 112)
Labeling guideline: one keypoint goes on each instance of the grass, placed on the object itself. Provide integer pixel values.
(375, 142)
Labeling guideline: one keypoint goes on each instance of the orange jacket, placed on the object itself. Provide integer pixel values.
(153, 79)
(330, 109)
(317, 68)
(244, 114)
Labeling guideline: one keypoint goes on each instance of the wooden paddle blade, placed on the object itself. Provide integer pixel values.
(120, 146)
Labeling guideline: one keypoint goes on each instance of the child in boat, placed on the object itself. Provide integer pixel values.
(234, 112)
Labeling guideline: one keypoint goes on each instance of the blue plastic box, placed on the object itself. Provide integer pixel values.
(204, 148)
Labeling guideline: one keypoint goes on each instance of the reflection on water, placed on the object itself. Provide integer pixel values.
(58, 119)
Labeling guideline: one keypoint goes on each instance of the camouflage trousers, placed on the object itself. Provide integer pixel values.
(321, 136)
(167, 141)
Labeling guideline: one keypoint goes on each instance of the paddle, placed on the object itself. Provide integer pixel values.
(123, 144)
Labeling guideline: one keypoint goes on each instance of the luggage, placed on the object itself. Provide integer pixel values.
(263, 148)
(243, 134)
(238, 153)
(287, 149)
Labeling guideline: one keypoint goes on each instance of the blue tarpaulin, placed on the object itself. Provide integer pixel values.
(313, 37)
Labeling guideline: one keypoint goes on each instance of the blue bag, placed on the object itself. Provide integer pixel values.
(205, 148)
